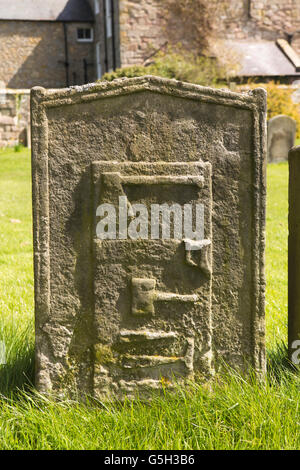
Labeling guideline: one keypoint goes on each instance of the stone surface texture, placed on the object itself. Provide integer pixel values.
(281, 137)
(116, 317)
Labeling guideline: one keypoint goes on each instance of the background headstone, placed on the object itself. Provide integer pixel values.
(281, 137)
(115, 317)
(296, 94)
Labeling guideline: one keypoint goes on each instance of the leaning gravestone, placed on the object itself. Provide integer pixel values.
(281, 137)
(126, 302)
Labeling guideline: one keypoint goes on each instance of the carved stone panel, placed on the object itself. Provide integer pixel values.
(152, 296)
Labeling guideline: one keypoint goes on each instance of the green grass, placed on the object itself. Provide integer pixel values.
(16, 269)
(276, 253)
(230, 413)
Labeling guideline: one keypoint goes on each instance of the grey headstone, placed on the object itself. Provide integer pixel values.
(116, 317)
(281, 137)
(296, 95)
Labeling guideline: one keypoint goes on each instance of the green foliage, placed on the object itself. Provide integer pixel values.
(280, 102)
(128, 72)
(180, 66)
(16, 270)
(276, 254)
(232, 412)
(18, 148)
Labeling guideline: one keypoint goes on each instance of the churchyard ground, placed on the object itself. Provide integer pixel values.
(232, 412)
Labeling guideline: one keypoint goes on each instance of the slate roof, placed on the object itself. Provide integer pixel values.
(46, 10)
(261, 58)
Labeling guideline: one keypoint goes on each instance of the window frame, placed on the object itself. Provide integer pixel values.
(91, 39)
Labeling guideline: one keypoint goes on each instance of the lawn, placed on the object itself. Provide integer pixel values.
(231, 413)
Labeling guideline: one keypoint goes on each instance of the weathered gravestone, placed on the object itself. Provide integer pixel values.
(281, 137)
(125, 313)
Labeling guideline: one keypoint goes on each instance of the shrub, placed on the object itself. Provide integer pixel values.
(18, 147)
(279, 101)
(181, 66)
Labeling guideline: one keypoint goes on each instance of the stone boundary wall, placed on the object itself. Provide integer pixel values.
(14, 117)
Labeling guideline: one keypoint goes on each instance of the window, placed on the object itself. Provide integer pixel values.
(109, 18)
(96, 7)
(85, 34)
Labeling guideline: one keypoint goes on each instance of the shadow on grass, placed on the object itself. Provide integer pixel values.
(278, 363)
(17, 374)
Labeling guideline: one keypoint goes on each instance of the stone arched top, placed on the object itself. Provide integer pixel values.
(124, 86)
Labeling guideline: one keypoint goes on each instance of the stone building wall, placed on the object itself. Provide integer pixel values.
(14, 117)
(78, 52)
(142, 26)
(268, 19)
(276, 15)
(33, 53)
(142, 23)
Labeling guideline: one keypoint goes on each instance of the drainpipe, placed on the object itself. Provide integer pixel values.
(113, 34)
(105, 37)
(66, 53)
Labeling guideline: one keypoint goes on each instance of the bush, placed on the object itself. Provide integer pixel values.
(181, 66)
(279, 101)
(19, 148)
(128, 72)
